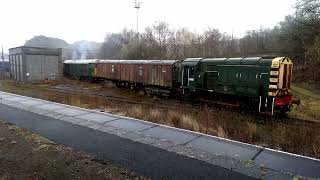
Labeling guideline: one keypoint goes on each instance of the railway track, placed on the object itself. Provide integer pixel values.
(114, 98)
(176, 104)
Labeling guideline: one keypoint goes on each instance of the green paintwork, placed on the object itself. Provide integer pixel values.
(79, 70)
(235, 76)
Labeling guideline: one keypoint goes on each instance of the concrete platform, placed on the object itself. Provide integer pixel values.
(252, 161)
(97, 118)
(225, 148)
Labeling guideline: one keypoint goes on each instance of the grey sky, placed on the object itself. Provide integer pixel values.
(74, 20)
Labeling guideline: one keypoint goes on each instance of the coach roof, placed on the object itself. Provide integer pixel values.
(110, 61)
(85, 61)
(138, 61)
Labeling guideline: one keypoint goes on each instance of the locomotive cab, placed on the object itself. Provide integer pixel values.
(189, 73)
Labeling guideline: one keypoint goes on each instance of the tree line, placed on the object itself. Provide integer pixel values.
(161, 42)
(297, 36)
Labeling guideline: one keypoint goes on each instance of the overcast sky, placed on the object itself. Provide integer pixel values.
(74, 20)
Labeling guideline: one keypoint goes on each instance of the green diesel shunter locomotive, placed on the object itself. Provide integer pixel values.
(261, 83)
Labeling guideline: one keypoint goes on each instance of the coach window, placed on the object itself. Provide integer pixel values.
(140, 70)
(112, 68)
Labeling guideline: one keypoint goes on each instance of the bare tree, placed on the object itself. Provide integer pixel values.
(161, 32)
(296, 36)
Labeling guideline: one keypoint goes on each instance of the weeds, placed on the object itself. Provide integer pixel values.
(135, 111)
(187, 122)
(174, 118)
(221, 133)
(309, 108)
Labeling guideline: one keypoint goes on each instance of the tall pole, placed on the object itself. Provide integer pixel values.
(2, 55)
(137, 6)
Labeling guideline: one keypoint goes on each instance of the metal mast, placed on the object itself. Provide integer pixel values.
(2, 55)
(137, 6)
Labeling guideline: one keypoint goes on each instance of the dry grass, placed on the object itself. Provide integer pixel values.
(309, 108)
(77, 102)
(135, 111)
(155, 115)
(187, 122)
(182, 120)
(167, 117)
(208, 121)
(221, 132)
(44, 144)
(173, 118)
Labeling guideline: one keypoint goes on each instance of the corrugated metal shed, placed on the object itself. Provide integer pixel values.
(35, 63)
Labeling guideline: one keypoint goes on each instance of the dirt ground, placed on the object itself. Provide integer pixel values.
(24, 155)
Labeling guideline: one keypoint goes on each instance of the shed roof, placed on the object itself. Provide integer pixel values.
(35, 50)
